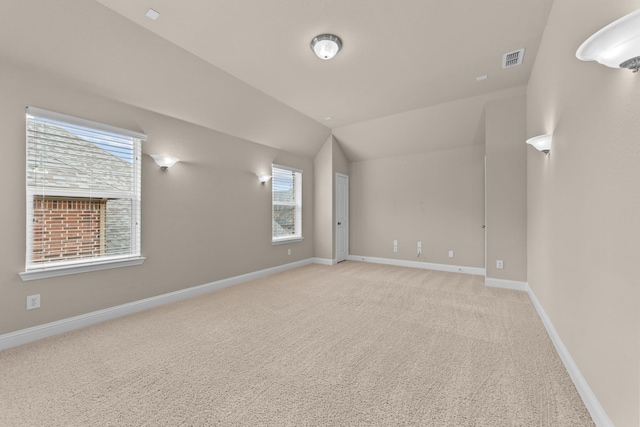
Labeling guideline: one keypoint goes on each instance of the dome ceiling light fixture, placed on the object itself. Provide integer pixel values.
(617, 45)
(326, 46)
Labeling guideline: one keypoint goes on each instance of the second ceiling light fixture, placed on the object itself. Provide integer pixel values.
(326, 46)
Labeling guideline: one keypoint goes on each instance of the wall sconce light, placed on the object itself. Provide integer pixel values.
(541, 142)
(617, 45)
(165, 162)
(326, 46)
(263, 178)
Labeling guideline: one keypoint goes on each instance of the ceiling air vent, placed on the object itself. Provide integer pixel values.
(511, 59)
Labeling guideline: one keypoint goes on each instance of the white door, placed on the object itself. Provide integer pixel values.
(484, 226)
(342, 217)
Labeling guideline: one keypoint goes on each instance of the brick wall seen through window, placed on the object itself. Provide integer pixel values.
(68, 228)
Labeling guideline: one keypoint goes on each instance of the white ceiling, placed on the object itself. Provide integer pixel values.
(253, 56)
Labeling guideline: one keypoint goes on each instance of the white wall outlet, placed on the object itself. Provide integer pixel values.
(288, 251)
(450, 254)
(499, 264)
(395, 246)
(419, 248)
(33, 301)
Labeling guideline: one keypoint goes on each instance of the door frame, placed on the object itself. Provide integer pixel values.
(346, 178)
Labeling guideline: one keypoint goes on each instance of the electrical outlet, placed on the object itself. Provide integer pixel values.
(395, 246)
(33, 301)
(419, 248)
(499, 264)
(288, 251)
(450, 254)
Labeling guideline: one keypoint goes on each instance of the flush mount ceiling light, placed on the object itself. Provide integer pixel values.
(541, 142)
(165, 162)
(617, 45)
(326, 46)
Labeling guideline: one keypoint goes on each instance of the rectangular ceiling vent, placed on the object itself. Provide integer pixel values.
(511, 59)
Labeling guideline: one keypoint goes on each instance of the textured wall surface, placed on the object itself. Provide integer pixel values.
(323, 201)
(205, 219)
(583, 204)
(436, 198)
(506, 176)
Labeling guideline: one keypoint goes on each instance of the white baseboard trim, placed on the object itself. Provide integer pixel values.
(597, 412)
(324, 261)
(418, 264)
(506, 284)
(35, 333)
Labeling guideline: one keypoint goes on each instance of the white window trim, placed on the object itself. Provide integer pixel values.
(287, 239)
(72, 120)
(102, 263)
(74, 268)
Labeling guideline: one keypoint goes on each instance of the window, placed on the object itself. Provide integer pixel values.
(286, 190)
(83, 195)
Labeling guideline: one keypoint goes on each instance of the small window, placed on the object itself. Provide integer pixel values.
(83, 193)
(286, 189)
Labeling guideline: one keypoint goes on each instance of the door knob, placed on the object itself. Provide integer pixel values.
(484, 226)
(339, 223)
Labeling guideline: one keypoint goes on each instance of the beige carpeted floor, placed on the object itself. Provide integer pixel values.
(354, 344)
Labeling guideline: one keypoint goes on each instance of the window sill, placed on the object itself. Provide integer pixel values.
(46, 272)
(288, 240)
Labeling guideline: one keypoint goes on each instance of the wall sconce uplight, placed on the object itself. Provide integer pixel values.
(264, 178)
(541, 142)
(165, 162)
(326, 46)
(617, 45)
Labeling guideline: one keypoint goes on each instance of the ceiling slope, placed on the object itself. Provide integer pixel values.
(245, 68)
(446, 126)
(103, 53)
(397, 56)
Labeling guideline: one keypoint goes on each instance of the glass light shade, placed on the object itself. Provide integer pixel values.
(165, 162)
(264, 178)
(616, 44)
(541, 142)
(326, 46)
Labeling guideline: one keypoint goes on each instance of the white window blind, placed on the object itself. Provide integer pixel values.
(286, 189)
(83, 191)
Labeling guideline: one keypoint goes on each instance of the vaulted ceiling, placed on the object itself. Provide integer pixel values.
(245, 67)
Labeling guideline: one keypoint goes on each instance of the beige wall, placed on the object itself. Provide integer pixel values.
(329, 160)
(584, 204)
(205, 219)
(506, 197)
(340, 161)
(323, 201)
(436, 198)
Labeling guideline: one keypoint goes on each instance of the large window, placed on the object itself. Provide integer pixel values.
(286, 189)
(83, 195)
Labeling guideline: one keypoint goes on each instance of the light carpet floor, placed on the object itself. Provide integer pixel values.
(355, 344)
